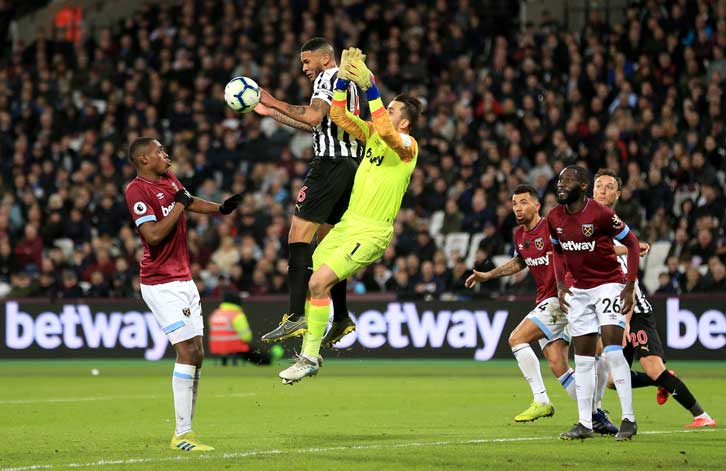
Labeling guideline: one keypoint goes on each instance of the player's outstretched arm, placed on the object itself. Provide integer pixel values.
(156, 231)
(199, 205)
(622, 250)
(311, 115)
(263, 110)
(405, 146)
(515, 265)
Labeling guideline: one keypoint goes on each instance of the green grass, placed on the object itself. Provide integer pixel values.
(367, 415)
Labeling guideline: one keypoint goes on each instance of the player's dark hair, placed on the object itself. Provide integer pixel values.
(521, 189)
(411, 109)
(316, 44)
(138, 146)
(582, 174)
(606, 172)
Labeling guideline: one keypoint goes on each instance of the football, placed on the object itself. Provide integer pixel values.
(242, 94)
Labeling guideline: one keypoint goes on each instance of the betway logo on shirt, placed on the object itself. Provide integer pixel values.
(77, 327)
(539, 261)
(165, 210)
(401, 326)
(573, 246)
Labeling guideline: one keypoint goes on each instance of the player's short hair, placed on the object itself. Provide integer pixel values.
(606, 172)
(317, 44)
(138, 146)
(582, 174)
(521, 189)
(411, 109)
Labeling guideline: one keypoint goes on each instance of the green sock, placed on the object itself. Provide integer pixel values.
(318, 314)
(305, 335)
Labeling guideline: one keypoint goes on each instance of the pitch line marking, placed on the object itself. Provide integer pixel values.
(253, 453)
(110, 398)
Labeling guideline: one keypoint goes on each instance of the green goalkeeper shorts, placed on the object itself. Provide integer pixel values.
(353, 243)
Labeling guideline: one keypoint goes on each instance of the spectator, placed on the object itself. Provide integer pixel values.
(704, 247)
(665, 284)
(629, 209)
(69, 288)
(453, 218)
(29, 250)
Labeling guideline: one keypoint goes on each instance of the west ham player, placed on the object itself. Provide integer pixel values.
(324, 195)
(643, 340)
(545, 323)
(582, 232)
(156, 202)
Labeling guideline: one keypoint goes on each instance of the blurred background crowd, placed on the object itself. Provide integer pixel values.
(643, 97)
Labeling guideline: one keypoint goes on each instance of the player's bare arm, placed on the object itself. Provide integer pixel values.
(199, 205)
(644, 249)
(263, 110)
(311, 115)
(515, 265)
(558, 261)
(156, 231)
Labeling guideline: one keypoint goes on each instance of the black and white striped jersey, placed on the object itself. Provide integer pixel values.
(641, 306)
(329, 141)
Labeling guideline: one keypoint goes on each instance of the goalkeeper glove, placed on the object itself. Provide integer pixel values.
(230, 204)
(358, 71)
(183, 197)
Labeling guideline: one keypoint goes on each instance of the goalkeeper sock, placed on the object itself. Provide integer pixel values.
(680, 392)
(567, 381)
(585, 380)
(298, 274)
(195, 389)
(529, 364)
(601, 378)
(639, 379)
(620, 370)
(318, 316)
(340, 300)
(182, 384)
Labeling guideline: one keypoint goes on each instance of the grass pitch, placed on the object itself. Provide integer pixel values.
(371, 414)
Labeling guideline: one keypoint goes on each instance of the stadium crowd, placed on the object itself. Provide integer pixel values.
(644, 97)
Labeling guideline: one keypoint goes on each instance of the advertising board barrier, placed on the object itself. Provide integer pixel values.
(690, 327)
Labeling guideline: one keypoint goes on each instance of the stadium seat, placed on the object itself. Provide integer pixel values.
(655, 263)
(436, 223)
(456, 242)
(473, 246)
(66, 245)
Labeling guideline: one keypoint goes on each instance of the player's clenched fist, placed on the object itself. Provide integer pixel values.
(183, 197)
(230, 204)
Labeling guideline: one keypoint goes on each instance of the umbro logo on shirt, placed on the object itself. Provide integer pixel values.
(160, 195)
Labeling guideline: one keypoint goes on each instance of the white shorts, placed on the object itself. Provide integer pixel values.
(595, 307)
(177, 308)
(550, 320)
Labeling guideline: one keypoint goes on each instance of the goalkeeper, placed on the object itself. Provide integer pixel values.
(366, 228)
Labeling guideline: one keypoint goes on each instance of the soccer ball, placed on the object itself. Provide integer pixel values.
(242, 94)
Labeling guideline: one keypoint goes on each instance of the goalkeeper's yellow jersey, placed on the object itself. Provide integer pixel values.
(388, 162)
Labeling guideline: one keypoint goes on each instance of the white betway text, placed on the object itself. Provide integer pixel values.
(573, 246)
(77, 327)
(401, 326)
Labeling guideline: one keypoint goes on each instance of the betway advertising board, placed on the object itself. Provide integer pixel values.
(691, 328)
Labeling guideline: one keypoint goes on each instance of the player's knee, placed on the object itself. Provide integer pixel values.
(318, 287)
(653, 366)
(301, 231)
(514, 339)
